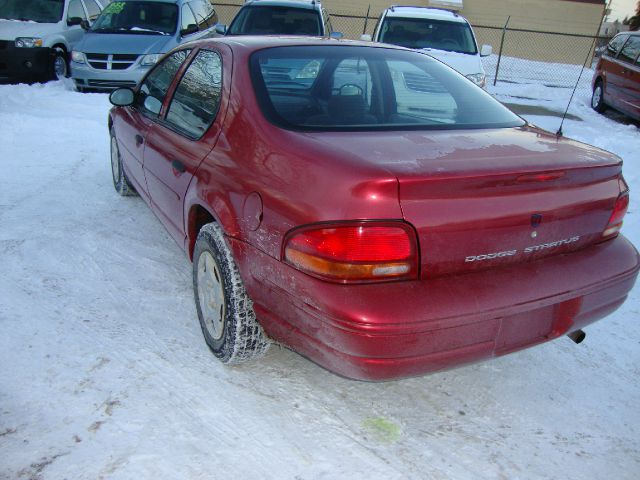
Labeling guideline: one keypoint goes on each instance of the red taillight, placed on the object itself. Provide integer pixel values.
(354, 252)
(619, 210)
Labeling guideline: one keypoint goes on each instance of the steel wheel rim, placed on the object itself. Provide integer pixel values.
(60, 67)
(211, 295)
(597, 96)
(115, 161)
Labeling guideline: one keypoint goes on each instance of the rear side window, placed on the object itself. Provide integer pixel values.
(195, 104)
(268, 20)
(614, 45)
(630, 50)
(154, 88)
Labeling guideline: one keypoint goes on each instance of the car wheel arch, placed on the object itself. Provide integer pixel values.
(200, 214)
(60, 46)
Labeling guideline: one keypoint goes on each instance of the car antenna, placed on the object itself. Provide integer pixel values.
(593, 44)
(366, 20)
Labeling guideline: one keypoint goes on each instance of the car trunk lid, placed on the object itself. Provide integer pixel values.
(484, 198)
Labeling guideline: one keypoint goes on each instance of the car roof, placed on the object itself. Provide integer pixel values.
(431, 13)
(303, 4)
(259, 42)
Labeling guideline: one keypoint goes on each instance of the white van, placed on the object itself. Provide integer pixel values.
(443, 34)
(37, 36)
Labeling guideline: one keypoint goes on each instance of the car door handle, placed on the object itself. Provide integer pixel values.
(139, 140)
(178, 166)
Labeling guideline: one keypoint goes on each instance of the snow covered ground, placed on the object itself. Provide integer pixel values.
(104, 373)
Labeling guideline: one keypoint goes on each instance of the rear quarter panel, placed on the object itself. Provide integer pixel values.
(298, 179)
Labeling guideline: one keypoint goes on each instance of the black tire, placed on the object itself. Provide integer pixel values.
(229, 324)
(59, 64)
(597, 98)
(120, 181)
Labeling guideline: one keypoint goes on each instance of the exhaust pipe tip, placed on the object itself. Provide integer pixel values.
(578, 336)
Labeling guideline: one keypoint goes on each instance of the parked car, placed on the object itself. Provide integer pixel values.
(441, 33)
(36, 36)
(130, 36)
(616, 81)
(378, 238)
(280, 17)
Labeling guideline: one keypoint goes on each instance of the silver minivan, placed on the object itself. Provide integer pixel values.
(129, 37)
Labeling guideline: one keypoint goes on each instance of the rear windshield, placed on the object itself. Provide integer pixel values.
(364, 88)
(267, 20)
(424, 33)
(41, 11)
(145, 18)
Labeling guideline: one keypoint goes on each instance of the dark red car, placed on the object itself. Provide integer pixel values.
(367, 206)
(616, 81)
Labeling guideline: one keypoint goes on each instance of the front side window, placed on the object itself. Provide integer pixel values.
(328, 29)
(146, 18)
(363, 88)
(266, 20)
(630, 50)
(93, 8)
(41, 11)
(205, 14)
(188, 20)
(614, 45)
(75, 10)
(424, 33)
(153, 89)
(195, 104)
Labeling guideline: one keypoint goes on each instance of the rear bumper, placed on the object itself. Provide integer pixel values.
(23, 63)
(86, 77)
(392, 330)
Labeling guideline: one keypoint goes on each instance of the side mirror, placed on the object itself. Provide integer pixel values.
(221, 29)
(85, 25)
(336, 35)
(191, 28)
(365, 37)
(73, 21)
(122, 97)
(486, 50)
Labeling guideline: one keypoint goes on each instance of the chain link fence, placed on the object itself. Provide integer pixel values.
(226, 12)
(552, 59)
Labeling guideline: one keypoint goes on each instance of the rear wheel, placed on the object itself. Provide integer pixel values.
(120, 180)
(224, 309)
(597, 99)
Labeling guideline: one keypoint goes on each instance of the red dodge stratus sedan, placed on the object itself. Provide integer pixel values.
(367, 206)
